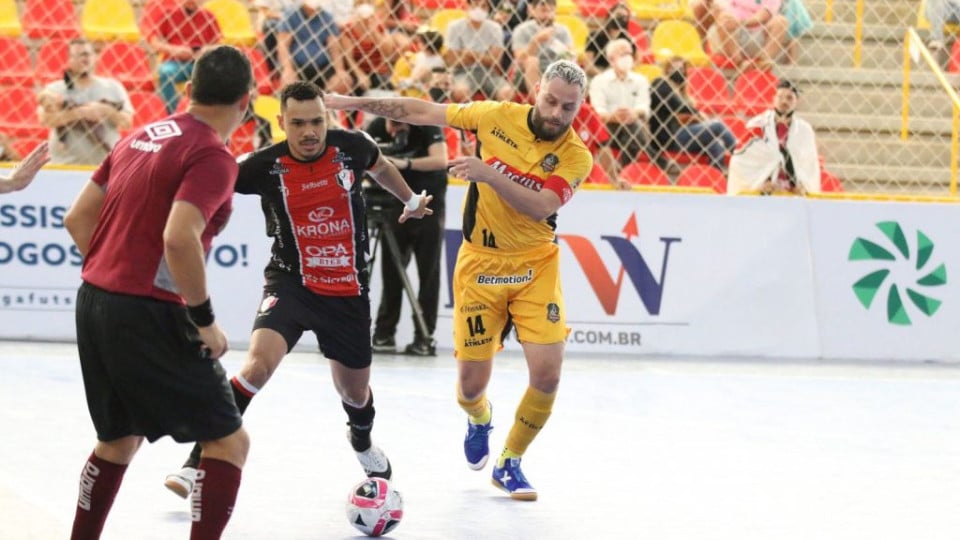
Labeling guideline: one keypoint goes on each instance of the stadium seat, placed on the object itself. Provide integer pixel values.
(650, 71)
(754, 91)
(234, 19)
(152, 13)
(147, 107)
(709, 91)
(598, 175)
(9, 19)
(644, 173)
(433, 5)
(566, 7)
(737, 126)
(129, 64)
(43, 19)
(658, 10)
(268, 107)
(678, 38)
(705, 176)
(51, 60)
(24, 146)
(953, 64)
(15, 66)
(109, 20)
(578, 30)
(596, 9)
(261, 71)
(442, 18)
(18, 116)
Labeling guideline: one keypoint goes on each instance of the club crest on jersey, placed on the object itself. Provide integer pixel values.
(345, 178)
(553, 312)
(549, 163)
(267, 304)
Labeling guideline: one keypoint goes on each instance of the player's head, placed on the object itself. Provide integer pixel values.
(303, 118)
(785, 100)
(560, 93)
(222, 77)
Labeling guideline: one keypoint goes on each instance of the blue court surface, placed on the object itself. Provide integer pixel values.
(642, 448)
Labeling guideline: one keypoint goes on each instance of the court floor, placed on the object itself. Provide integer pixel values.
(641, 448)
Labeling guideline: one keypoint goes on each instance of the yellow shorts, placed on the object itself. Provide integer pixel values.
(489, 286)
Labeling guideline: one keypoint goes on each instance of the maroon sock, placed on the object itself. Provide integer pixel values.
(99, 483)
(214, 494)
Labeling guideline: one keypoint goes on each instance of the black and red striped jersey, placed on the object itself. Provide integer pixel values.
(314, 211)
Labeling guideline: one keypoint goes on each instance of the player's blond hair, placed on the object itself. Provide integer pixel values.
(569, 72)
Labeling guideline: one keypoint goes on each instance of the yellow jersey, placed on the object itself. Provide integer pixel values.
(506, 143)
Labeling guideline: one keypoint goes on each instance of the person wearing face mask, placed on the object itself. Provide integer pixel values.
(474, 49)
(622, 99)
(617, 26)
(780, 154)
(678, 126)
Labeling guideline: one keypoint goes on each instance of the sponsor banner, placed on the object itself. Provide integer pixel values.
(886, 279)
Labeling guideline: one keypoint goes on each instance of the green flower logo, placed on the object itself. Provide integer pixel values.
(876, 282)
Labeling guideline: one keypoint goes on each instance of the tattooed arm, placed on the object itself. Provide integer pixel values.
(409, 110)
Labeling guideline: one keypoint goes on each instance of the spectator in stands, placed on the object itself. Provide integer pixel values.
(704, 12)
(180, 37)
(84, 112)
(369, 50)
(308, 48)
(594, 133)
(678, 126)
(474, 50)
(751, 31)
(622, 99)
(7, 151)
(269, 15)
(940, 13)
(617, 26)
(428, 43)
(539, 41)
(780, 154)
(505, 13)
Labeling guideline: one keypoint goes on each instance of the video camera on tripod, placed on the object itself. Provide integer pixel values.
(379, 201)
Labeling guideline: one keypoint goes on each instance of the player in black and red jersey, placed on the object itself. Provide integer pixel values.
(144, 224)
(317, 278)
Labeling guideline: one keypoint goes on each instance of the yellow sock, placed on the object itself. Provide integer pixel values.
(478, 410)
(532, 414)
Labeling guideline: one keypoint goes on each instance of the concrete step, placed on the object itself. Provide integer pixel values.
(924, 102)
(826, 52)
(877, 178)
(893, 13)
(877, 124)
(884, 151)
(860, 78)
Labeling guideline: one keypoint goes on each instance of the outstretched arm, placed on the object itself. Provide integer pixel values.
(26, 171)
(409, 110)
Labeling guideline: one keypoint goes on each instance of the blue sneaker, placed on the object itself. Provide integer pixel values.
(476, 445)
(510, 479)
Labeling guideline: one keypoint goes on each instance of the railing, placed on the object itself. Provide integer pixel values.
(915, 50)
(857, 31)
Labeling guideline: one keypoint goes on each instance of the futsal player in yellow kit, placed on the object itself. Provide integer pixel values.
(508, 267)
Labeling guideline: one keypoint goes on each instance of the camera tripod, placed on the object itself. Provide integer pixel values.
(381, 229)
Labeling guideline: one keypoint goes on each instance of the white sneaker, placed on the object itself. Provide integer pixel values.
(375, 463)
(182, 482)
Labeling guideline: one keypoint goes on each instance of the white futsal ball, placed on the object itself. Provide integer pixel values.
(374, 507)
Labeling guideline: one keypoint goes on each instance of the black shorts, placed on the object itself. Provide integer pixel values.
(340, 323)
(144, 371)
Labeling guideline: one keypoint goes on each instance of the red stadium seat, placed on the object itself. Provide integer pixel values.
(15, 66)
(25, 146)
(644, 173)
(754, 91)
(52, 60)
(953, 65)
(129, 64)
(151, 15)
(18, 116)
(433, 5)
(598, 175)
(595, 8)
(828, 182)
(708, 89)
(43, 19)
(705, 176)
(737, 126)
(147, 107)
(261, 71)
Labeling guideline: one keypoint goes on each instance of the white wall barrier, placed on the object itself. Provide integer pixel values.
(642, 273)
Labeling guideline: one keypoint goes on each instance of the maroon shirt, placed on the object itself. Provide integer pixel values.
(176, 159)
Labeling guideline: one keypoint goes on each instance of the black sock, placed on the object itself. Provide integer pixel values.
(360, 422)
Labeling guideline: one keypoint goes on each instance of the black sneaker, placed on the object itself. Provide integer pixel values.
(384, 344)
(422, 347)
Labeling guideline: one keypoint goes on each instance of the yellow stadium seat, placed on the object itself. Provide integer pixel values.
(401, 70)
(578, 30)
(442, 18)
(566, 7)
(109, 20)
(658, 9)
(234, 20)
(650, 71)
(678, 38)
(268, 107)
(9, 19)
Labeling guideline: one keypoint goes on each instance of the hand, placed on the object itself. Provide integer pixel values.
(767, 188)
(26, 170)
(468, 147)
(469, 168)
(621, 184)
(94, 112)
(214, 341)
(543, 35)
(421, 210)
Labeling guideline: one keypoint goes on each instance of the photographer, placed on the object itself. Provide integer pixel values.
(85, 113)
(420, 153)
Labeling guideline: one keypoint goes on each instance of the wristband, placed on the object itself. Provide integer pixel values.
(414, 202)
(201, 315)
